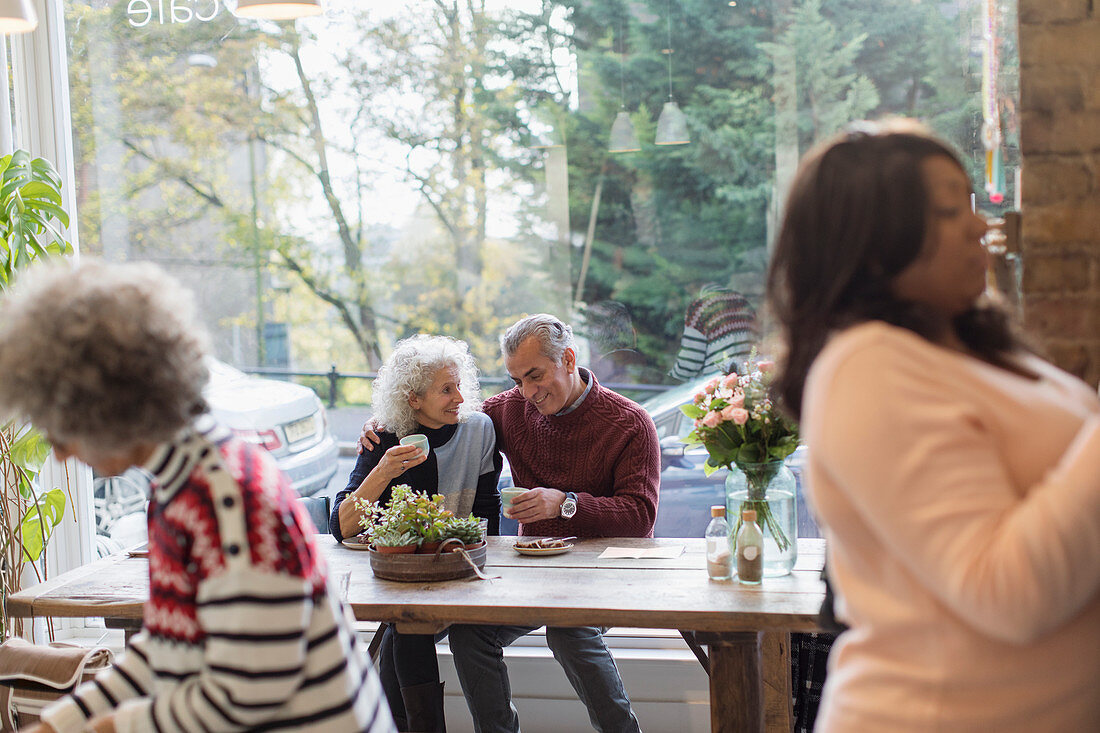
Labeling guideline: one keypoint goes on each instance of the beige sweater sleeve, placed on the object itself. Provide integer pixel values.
(919, 465)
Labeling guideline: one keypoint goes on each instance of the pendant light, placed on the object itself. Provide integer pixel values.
(17, 16)
(277, 9)
(672, 124)
(623, 137)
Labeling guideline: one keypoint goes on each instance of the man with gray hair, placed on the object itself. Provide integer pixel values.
(591, 464)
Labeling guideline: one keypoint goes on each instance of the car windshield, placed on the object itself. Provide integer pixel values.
(674, 397)
(220, 372)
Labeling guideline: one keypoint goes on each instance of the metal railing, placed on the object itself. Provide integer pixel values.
(334, 375)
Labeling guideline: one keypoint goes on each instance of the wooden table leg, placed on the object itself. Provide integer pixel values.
(736, 684)
(776, 659)
(129, 626)
(696, 649)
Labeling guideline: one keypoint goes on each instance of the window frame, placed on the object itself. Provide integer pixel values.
(41, 123)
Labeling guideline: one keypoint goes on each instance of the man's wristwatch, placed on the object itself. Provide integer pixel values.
(569, 506)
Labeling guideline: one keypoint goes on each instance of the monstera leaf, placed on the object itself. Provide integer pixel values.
(31, 217)
(38, 523)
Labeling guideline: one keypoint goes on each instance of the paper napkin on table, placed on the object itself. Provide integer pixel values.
(669, 552)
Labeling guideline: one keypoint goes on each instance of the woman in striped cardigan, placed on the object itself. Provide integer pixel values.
(242, 630)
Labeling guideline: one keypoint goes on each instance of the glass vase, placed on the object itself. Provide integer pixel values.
(769, 489)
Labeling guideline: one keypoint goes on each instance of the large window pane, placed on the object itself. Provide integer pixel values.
(331, 186)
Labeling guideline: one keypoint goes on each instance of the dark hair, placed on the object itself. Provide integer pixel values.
(856, 216)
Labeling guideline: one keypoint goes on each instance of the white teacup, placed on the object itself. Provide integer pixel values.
(418, 439)
(508, 495)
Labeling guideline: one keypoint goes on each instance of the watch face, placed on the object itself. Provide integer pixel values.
(568, 508)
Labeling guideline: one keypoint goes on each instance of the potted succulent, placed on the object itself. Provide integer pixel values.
(394, 540)
(466, 529)
(412, 521)
(389, 529)
(31, 220)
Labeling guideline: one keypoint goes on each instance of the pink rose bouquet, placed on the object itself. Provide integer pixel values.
(737, 421)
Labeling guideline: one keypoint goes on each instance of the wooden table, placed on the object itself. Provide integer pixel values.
(746, 628)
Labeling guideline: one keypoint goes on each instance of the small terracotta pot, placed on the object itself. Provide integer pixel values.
(401, 550)
(426, 548)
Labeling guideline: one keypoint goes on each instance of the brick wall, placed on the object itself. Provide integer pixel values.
(1060, 143)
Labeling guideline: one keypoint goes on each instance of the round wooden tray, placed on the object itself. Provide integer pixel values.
(443, 564)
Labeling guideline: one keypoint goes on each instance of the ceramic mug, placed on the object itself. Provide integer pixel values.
(507, 495)
(418, 439)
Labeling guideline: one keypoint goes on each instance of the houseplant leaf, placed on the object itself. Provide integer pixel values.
(30, 207)
(39, 521)
(29, 449)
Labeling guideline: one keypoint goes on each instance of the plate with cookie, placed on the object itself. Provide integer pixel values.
(543, 546)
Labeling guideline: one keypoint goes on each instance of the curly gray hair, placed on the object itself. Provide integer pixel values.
(553, 335)
(410, 370)
(110, 355)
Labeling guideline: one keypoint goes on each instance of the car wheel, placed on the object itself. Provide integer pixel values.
(115, 497)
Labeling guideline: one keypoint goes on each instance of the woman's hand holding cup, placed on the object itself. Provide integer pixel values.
(401, 458)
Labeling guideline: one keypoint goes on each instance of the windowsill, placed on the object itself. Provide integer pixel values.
(627, 643)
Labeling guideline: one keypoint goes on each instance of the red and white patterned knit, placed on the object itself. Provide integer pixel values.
(241, 631)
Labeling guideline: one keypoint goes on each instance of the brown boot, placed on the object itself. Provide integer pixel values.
(424, 707)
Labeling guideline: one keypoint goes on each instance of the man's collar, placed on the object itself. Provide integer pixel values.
(586, 377)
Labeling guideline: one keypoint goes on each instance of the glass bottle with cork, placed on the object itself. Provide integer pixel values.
(719, 557)
(750, 549)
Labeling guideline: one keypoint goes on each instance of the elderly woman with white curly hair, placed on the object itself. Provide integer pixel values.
(242, 630)
(429, 385)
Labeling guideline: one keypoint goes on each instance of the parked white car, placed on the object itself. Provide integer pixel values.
(285, 418)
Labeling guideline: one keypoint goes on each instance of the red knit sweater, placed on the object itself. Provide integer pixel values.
(605, 451)
(241, 631)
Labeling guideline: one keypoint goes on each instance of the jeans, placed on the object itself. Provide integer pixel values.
(479, 659)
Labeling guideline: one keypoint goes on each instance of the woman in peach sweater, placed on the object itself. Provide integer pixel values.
(957, 475)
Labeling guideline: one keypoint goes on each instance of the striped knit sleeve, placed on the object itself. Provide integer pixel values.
(729, 350)
(127, 679)
(692, 356)
(249, 670)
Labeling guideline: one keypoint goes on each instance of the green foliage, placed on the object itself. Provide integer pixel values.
(468, 530)
(675, 218)
(30, 210)
(407, 514)
(460, 93)
(28, 451)
(393, 537)
(830, 91)
(38, 523)
(31, 224)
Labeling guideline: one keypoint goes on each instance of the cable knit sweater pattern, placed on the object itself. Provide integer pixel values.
(605, 451)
